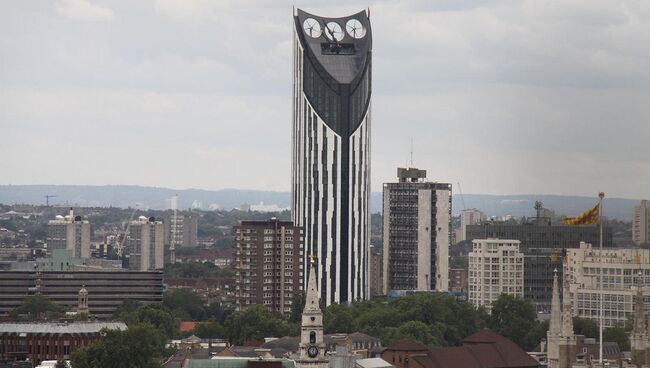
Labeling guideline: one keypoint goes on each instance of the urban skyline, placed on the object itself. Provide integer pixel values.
(504, 77)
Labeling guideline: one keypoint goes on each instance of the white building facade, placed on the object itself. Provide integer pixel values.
(69, 232)
(146, 244)
(641, 223)
(621, 268)
(496, 266)
(469, 217)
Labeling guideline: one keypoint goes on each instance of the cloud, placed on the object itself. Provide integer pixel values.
(83, 10)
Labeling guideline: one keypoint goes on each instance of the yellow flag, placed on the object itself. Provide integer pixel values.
(588, 217)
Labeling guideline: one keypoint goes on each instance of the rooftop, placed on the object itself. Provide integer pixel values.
(60, 328)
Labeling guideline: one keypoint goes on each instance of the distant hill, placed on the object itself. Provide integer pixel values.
(156, 198)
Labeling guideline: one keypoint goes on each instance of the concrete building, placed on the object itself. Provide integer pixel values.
(268, 264)
(621, 266)
(39, 341)
(541, 244)
(496, 266)
(641, 223)
(376, 272)
(146, 244)
(471, 216)
(181, 229)
(107, 290)
(458, 281)
(417, 233)
(330, 181)
(69, 232)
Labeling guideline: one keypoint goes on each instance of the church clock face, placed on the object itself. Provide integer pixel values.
(312, 351)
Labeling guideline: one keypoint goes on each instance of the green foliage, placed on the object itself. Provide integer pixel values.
(153, 315)
(256, 322)
(218, 312)
(514, 318)
(61, 364)
(618, 335)
(209, 330)
(586, 327)
(195, 270)
(297, 305)
(38, 307)
(185, 304)
(416, 330)
(140, 346)
(338, 318)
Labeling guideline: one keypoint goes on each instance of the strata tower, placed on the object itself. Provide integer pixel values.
(331, 149)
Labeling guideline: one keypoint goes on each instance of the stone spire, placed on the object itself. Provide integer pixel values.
(313, 297)
(567, 316)
(554, 328)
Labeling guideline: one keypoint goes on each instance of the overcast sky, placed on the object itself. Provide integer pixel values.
(505, 97)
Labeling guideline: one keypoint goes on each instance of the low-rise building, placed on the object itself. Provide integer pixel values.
(496, 266)
(49, 340)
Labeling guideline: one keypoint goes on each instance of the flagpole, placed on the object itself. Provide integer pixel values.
(601, 195)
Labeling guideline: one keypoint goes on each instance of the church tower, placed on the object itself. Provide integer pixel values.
(553, 335)
(312, 345)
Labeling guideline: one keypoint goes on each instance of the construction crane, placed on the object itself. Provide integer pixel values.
(47, 199)
(462, 199)
(121, 244)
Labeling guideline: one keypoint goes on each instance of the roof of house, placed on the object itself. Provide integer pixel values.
(373, 363)
(232, 363)
(485, 349)
(60, 328)
(407, 345)
(186, 326)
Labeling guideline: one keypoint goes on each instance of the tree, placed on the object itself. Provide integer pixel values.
(586, 327)
(156, 316)
(415, 330)
(255, 322)
(297, 306)
(141, 346)
(62, 364)
(513, 317)
(337, 318)
(185, 303)
(209, 330)
(218, 312)
(38, 307)
(617, 335)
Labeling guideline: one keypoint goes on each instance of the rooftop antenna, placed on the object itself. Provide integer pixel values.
(411, 160)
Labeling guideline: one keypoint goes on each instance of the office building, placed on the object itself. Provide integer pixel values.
(268, 264)
(417, 233)
(107, 290)
(69, 232)
(376, 272)
(181, 229)
(330, 184)
(621, 270)
(469, 217)
(35, 342)
(641, 223)
(496, 266)
(146, 244)
(542, 245)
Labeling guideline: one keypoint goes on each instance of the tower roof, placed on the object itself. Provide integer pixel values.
(312, 299)
(555, 324)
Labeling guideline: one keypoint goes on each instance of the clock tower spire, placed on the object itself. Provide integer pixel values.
(312, 345)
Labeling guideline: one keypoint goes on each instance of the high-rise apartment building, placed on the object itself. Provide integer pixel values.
(417, 233)
(146, 244)
(496, 266)
(542, 245)
(268, 264)
(69, 232)
(331, 149)
(641, 223)
(376, 272)
(181, 229)
(624, 269)
(469, 217)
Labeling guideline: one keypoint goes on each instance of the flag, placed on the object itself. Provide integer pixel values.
(588, 217)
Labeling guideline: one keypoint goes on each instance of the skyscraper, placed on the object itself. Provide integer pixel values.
(417, 233)
(331, 149)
